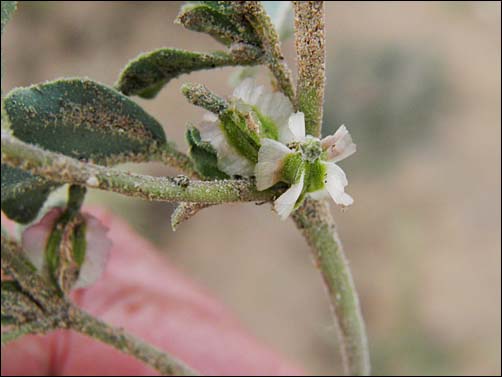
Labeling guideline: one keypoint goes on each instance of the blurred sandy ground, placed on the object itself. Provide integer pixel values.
(419, 86)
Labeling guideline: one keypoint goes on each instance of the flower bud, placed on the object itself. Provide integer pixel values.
(72, 252)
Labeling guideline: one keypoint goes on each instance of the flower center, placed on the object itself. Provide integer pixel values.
(311, 149)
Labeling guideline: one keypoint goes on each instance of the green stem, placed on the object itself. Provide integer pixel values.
(316, 223)
(96, 329)
(254, 12)
(16, 332)
(60, 313)
(311, 55)
(15, 265)
(313, 218)
(59, 168)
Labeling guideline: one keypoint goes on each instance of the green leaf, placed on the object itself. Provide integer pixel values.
(148, 73)
(203, 155)
(23, 194)
(212, 20)
(79, 118)
(82, 119)
(8, 8)
(224, 7)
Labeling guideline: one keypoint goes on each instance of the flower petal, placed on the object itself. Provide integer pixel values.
(319, 194)
(339, 145)
(335, 174)
(270, 158)
(285, 204)
(248, 91)
(335, 183)
(229, 160)
(35, 237)
(273, 105)
(98, 247)
(277, 107)
(295, 130)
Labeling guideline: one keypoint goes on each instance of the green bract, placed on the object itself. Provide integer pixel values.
(315, 176)
(203, 155)
(239, 132)
(268, 128)
(292, 168)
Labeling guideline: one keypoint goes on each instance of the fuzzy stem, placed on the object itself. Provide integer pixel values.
(313, 218)
(86, 324)
(23, 272)
(60, 313)
(17, 332)
(311, 55)
(59, 168)
(316, 223)
(254, 12)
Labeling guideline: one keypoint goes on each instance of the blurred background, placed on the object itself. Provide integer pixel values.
(418, 85)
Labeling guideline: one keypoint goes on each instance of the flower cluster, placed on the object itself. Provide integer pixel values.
(286, 154)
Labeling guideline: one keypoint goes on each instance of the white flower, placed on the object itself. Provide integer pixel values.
(274, 105)
(324, 153)
(98, 245)
(285, 203)
(247, 97)
(339, 145)
(286, 154)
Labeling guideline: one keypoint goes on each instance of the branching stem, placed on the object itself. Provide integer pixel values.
(165, 364)
(255, 13)
(63, 169)
(60, 313)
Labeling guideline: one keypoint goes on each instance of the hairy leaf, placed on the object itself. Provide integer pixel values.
(23, 194)
(213, 20)
(79, 118)
(82, 119)
(221, 6)
(148, 73)
(203, 155)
